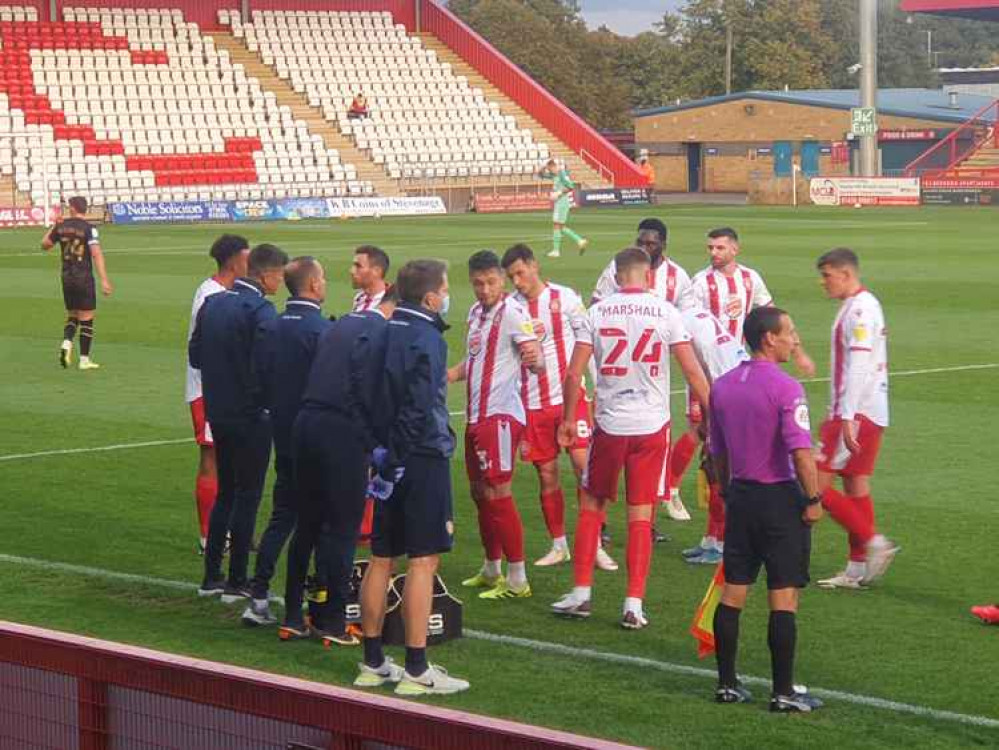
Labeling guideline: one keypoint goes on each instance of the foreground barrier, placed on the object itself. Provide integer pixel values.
(67, 692)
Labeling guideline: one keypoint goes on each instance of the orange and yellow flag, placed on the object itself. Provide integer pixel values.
(703, 628)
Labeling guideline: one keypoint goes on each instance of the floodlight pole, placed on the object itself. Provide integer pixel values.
(869, 82)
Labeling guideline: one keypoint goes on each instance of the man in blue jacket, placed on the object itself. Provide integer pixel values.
(413, 516)
(284, 353)
(333, 439)
(222, 347)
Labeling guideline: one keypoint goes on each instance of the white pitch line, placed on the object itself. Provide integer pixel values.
(559, 649)
(153, 443)
(97, 449)
(665, 666)
(899, 374)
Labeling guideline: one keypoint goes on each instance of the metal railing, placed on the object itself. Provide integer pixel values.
(978, 131)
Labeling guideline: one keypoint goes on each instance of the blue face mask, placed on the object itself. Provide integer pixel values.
(445, 306)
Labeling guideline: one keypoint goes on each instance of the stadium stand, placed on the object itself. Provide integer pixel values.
(424, 121)
(122, 102)
(177, 119)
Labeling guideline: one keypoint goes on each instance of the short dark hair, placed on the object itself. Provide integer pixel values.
(78, 203)
(376, 257)
(714, 234)
(631, 257)
(839, 257)
(483, 260)
(520, 251)
(298, 272)
(266, 257)
(760, 322)
(653, 224)
(418, 278)
(227, 246)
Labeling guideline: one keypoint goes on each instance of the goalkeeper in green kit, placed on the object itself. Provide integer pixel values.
(562, 197)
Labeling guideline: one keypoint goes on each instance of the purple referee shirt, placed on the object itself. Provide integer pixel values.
(758, 416)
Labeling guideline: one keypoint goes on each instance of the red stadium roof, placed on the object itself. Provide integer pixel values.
(980, 10)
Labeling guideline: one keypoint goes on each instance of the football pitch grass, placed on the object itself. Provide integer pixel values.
(909, 639)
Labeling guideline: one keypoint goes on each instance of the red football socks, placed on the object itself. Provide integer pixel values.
(489, 531)
(639, 556)
(584, 549)
(553, 508)
(680, 455)
(856, 515)
(716, 513)
(509, 528)
(205, 490)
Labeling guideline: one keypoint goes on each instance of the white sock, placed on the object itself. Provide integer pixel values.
(856, 569)
(720, 546)
(582, 593)
(633, 604)
(492, 568)
(259, 603)
(708, 542)
(878, 540)
(560, 543)
(67, 344)
(516, 574)
(84, 360)
(204, 542)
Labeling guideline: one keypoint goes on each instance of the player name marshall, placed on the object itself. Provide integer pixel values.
(629, 309)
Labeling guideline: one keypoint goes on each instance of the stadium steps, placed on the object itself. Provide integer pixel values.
(10, 195)
(333, 138)
(581, 171)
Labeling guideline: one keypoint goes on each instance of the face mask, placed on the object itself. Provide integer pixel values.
(445, 306)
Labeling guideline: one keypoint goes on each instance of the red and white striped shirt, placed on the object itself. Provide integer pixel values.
(554, 314)
(859, 359)
(493, 370)
(669, 282)
(364, 301)
(730, 298)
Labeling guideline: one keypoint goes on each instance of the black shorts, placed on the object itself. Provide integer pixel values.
(79, 294)
(763, 527)
(417, 520)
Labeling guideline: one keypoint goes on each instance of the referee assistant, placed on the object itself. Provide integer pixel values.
(761, 445)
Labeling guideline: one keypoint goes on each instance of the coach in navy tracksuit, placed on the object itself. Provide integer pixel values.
(222, 347)
(333, 439)
(413, 484)
(284, 353)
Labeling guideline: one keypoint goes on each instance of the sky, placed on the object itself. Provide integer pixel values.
(627, 17)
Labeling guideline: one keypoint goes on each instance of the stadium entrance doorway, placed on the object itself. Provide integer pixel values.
(694, 163)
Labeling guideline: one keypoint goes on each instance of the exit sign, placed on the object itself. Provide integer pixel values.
(863, 121)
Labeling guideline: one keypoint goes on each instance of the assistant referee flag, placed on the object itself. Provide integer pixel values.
(702, 628)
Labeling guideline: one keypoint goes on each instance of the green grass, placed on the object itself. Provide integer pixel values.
(909, 640)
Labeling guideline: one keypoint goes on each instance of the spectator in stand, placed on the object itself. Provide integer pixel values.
(645, 167)
(358, 108)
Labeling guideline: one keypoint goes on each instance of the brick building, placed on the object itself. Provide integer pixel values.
(723, 143)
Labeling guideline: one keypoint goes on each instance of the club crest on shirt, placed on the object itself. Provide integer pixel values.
(540, 329)
(474, 344)
(733, 308)
(555, 306)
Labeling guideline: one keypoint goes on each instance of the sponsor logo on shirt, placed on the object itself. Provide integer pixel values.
(801, 417)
